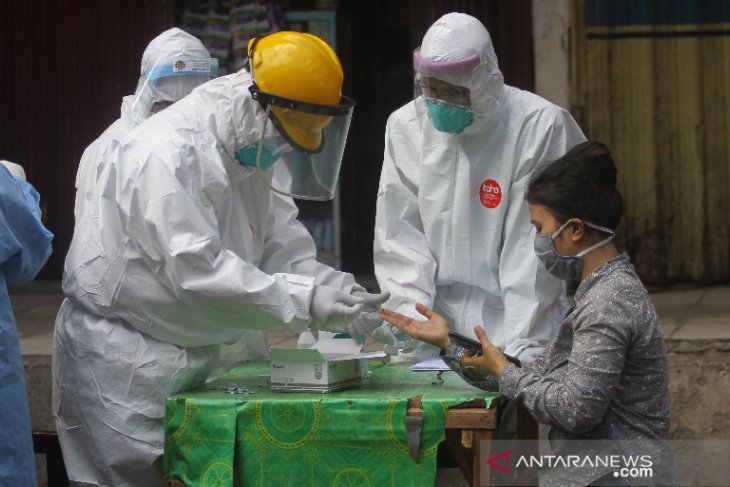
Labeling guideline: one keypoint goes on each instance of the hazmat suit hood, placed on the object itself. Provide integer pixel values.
(230, 112)
(163, 79)
(456, 37)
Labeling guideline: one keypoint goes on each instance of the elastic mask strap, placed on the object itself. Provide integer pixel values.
(560, 230)
(598, 244)
(261, 142)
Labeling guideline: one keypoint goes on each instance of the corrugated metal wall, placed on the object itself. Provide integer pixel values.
(652, 80)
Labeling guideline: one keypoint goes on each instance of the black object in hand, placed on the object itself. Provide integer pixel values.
(476, 347)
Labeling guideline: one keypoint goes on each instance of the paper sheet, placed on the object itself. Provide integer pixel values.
(430, 364)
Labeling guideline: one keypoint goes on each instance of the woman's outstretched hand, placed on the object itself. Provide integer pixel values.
(491, 361)
(435, 330)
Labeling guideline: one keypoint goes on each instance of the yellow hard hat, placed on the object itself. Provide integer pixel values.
(299, 67)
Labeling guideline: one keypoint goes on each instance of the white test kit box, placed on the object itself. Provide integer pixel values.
(330, 365)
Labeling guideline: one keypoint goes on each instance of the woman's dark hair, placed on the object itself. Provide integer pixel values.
(581, 184)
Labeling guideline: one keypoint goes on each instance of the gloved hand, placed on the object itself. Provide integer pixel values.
(364, 324)
(395, 341)
(371, 302)
(331, 307)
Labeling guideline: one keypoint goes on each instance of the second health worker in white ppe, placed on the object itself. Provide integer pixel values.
(197, 251)
(452, 228)
(173, 64)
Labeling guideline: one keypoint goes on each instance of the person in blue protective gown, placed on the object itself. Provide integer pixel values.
(25, 245)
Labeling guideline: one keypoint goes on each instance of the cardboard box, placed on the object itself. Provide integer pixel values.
(330, 365)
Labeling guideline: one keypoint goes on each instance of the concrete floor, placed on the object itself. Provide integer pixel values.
(695, 322)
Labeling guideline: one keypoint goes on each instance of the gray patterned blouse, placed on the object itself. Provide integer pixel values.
(604, 376)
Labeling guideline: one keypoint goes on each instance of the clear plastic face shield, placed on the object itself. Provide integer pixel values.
(168, 81)
(302, 156)
(446, 105)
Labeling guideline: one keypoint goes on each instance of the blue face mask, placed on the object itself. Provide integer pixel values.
(565, 267)
(449, 118)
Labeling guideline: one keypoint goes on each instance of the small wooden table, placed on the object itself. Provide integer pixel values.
(237, 431)
(466, 428)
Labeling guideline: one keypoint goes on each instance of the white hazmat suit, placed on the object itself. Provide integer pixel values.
(173, 44)
(452, 228)
(182, 260)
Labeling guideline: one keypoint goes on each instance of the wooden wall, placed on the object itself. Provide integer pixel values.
(652, 80)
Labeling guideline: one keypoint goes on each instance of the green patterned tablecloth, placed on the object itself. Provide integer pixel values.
(349, 438)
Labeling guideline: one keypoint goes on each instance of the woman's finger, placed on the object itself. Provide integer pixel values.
(398, 320)
(421, 308)
(482, 336)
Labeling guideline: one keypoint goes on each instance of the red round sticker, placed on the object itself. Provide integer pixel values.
(490, 194)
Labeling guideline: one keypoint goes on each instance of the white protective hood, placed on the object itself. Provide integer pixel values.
(454, 37)
(161, 83)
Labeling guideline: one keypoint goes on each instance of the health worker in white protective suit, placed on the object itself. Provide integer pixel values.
(173, 64)
(452, 227)
(191, 249)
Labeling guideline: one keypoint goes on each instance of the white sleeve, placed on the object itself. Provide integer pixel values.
(289, 248)
(404, 265)
(173, 224)
(533, 299)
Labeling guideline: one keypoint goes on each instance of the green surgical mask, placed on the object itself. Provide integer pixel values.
(449, 118)
(247, 156)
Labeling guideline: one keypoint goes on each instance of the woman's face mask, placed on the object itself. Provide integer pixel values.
(449, 118)
(565, 267)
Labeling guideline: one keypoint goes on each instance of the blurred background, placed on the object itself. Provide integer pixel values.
(650, 78)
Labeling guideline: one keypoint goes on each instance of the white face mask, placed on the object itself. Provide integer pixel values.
(566, 267)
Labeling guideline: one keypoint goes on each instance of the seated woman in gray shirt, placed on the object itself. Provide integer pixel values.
(604, 376)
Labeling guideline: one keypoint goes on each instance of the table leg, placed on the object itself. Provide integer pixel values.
(481, 449)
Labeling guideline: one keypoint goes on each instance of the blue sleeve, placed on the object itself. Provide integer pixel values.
(25, 243)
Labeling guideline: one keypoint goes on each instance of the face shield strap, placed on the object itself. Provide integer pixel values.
(449, 67)
(267, 100)
(182, 66)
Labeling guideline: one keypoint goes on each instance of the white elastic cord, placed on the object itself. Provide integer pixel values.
(599, 244)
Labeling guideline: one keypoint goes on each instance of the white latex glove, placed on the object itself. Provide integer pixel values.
(331, 307)
(394, 340)
(371, 302)
(15, 169)
(364, 324)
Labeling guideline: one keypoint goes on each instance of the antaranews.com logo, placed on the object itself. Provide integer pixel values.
(623, 466)
(579, 462)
